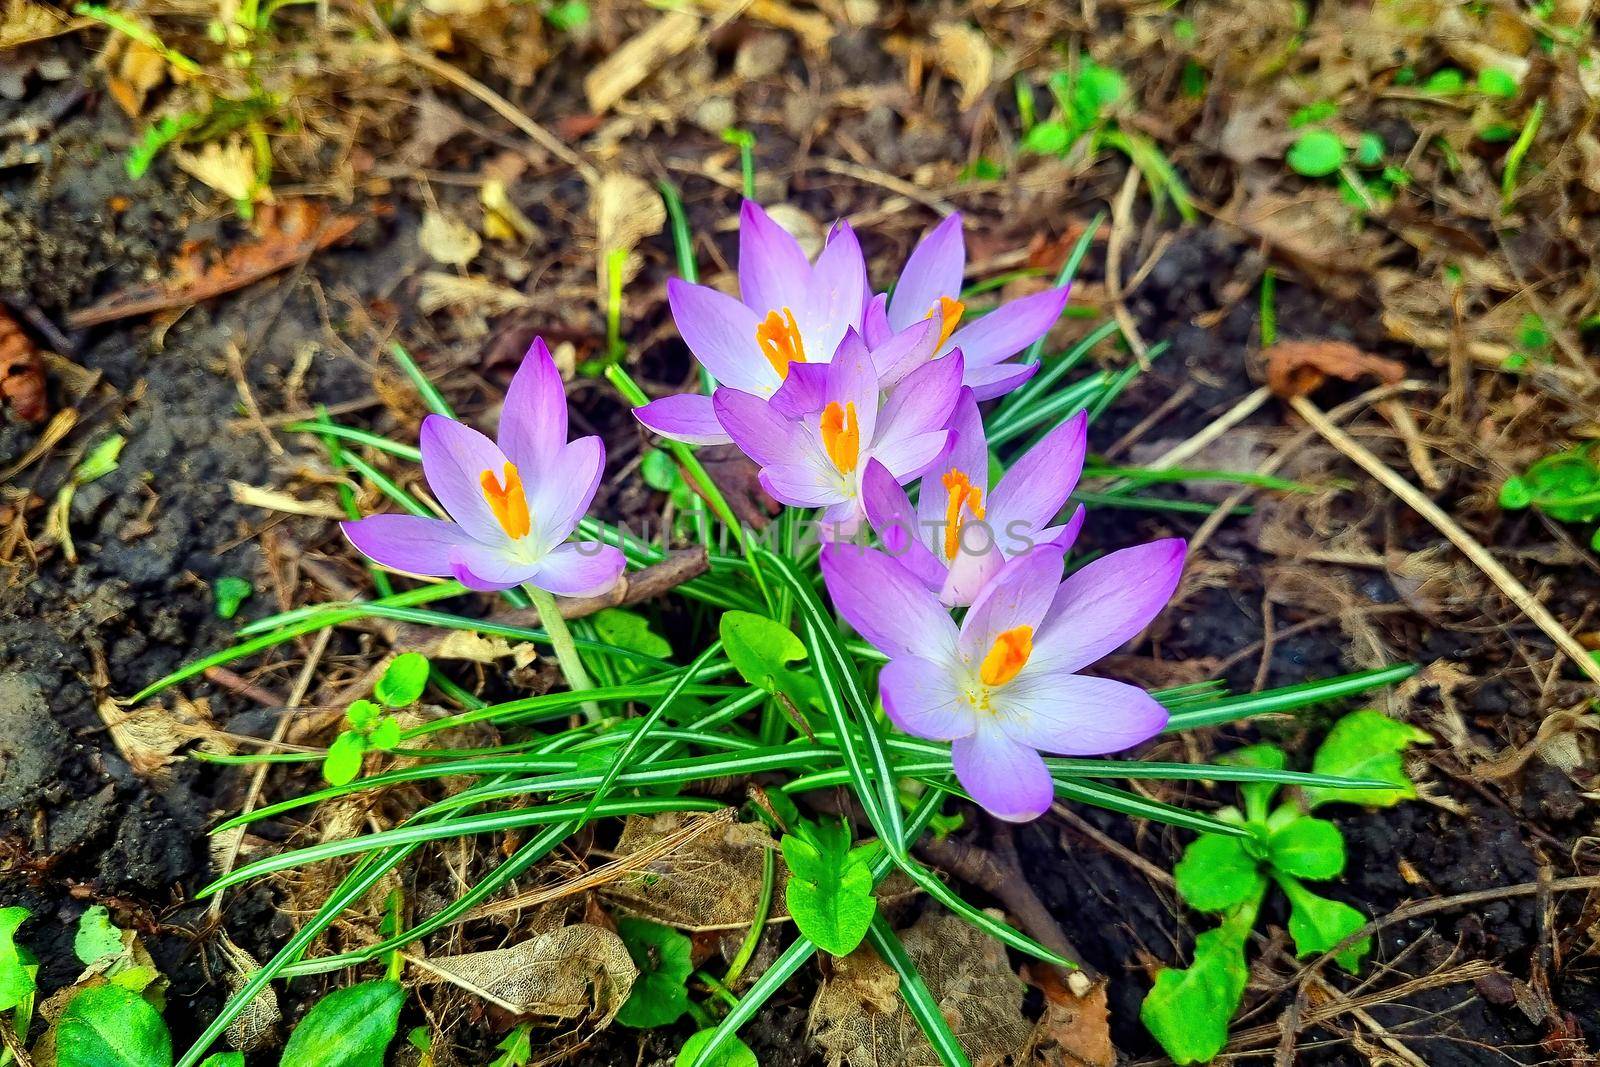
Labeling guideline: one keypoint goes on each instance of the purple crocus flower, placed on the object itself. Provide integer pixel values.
(929, 289)
(512, 504)
(816, 436)
(1001, 686)
(789, 312)
(959, 534)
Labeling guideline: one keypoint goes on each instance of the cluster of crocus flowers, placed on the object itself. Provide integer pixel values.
(842, 403)
(513, 503)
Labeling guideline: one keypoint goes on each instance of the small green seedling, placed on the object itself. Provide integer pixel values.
(665, 959)
(368, 728)
(1188, 1009)
(350, 1027)
(229, 593)
(1565, 486)
(829, 892)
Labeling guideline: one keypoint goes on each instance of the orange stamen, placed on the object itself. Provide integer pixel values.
(841, 435)
(778, 336)
(949, 312)
(1010, 652)
(963, 494)
(508, 502)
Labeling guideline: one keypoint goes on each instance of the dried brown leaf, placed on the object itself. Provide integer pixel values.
(448, 240)
(22, 385)
(1297, 368)
(639, 57)
(963, 52)
(712, 883)
(569, 973)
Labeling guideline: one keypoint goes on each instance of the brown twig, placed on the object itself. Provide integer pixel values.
(1518, 593)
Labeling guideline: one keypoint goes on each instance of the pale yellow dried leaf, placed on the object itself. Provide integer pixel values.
(639, 57)
(439, 290)
(570, 973)
(711, 883)
(503, 220)
(625, 209)
(228, 166)
(274, 500)
(25, 22)
(462, 644)
(448, 240)
(964, 53)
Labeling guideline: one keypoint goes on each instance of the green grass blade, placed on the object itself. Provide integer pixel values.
(914, 991)
(425, 389)
(1288, 698)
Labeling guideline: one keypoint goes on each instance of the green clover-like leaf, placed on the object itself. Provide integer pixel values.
(403, 680)
(1257, 795)
(1317, 924)
(1316, 154)
(97, 937)
(107, 1026)
(760, 650)
(385, 735)
(343, 761)
(829, 892)
(665, 960)
(1366, 744)
(1217, 873)
(16, 974)
(1307, 847)
(731, 1053)
(350, 1027)
(1187, 1010)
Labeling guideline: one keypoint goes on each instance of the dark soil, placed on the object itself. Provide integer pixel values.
(83, 827)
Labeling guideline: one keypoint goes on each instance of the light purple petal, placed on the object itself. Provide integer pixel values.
(1074, 714)
(887, 606)
(1106, 603)
(923, 698)
(1018, 596)
(987, 383)
(1036, 488)
(407, 543)
(911, 457)
(1009, 780)
(454, 458)
(533, 422)
(967, 452)
(833, 300)
(721, 332)
(875, 322)
(851, 379)
(687, 417)
(805, 484)
(933, 270)
(581, 568)
(1009, 328)
(978, 560)
(841, 521)
(563, 497)
(488, 569)
(922, 402)
(773, 271)
(899, 354)
(802, 392)
(1065, 535)
(759, 431)
(892, 518)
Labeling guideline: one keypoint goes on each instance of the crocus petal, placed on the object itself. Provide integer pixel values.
(721, 332)
(759, 431)
(851, 379)
(922, 402)
(1036, 487)
(1009, 780)
(975, 566)
(1104, 604)
(687, 417)
(1009, 328)
(454, 458)
(580, 568)
(833, 299)
(803, 391)
(987, 383)
(488, 568)
(1074, 714)
(533, 422)
(892, 518)
(804, 485)
(875, 322)
(1065, 535)
(841, 521)
(1018, 596)
(407, 543)
(911, 457)
(933, 269)
(773, 271)
(967, 453)
(562, 497)
(897, 355)
(886, 605)
(922, 698)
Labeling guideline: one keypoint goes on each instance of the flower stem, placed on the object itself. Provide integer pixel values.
(566, 651)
